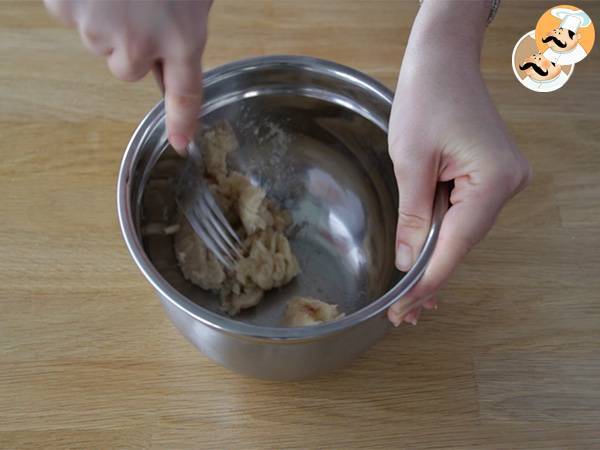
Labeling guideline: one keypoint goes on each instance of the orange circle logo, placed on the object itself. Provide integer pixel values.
(565, 34)
(534, 70)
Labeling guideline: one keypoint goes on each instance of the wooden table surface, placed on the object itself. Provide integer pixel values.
(88, 359)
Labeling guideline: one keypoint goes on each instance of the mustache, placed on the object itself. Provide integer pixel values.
(556, 41)
(541, 72)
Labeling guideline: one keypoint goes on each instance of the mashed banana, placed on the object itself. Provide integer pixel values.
(267, 261)
(304, 311)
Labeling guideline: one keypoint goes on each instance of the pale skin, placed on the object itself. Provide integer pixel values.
(136, 37)
(443, 126)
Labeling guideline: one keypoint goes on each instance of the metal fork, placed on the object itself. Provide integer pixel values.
(195, 199)
(200, 208)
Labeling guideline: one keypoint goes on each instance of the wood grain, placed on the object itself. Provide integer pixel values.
(89, 360)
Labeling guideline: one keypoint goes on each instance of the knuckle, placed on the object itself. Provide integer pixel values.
(408, 156)
(184, 102)
(411, 220)
(398, 145)
(404, 163)
(90, 35)
(513, 175)
(120, 72)
(131, 58)
(93, 40)
(191, 58)
(527, 174)
(138, 50)
(128, 66)
(185, 49)
(425, 287)
(393, 137)
(124, 71)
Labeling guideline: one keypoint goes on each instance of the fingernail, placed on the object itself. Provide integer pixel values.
(178, 142)
(413, 316)
(410, 317)
(403, 257)
(394, 318)
(430, 303)
(414, 319)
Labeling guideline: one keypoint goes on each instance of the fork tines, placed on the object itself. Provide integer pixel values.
(200, 208)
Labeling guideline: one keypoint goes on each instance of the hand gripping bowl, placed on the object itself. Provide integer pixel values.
(313, 134)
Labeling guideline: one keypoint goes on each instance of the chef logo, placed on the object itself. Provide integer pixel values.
(534, 70)
(544, 59)
(565, 34)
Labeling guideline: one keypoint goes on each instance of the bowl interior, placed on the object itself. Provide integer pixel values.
(325, 163)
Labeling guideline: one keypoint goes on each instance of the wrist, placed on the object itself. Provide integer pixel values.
(455, 27)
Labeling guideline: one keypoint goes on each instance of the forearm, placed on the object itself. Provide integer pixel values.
(453, 26)
(444, 127)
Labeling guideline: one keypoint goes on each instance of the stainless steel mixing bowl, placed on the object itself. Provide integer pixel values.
(314, 135)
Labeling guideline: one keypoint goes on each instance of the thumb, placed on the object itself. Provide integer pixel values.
(471, 216)
(416, 178)
(473, 212)
(183, 100)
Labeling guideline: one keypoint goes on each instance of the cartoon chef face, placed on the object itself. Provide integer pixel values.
(561, 39)
(537, 67)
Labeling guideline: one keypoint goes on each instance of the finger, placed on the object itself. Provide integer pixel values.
(416, 178)
(413, 316)
(62, 9)
(183, 100)
(410, 317)
(157, 71)
(128, 65)
(430, 304)
(95, 42)
(468, 220)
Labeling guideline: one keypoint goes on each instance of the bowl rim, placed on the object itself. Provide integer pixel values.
(230, 325)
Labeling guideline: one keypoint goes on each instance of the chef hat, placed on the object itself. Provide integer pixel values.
(571, 22)
(571, 19)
